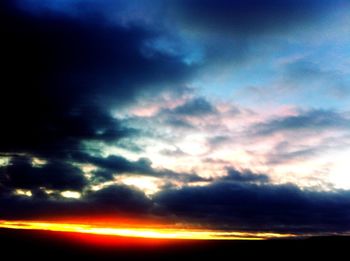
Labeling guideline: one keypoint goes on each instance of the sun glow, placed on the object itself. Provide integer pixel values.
(140, 232)
(70, 194)
(147, 184)
(339, 170)
(23, 192)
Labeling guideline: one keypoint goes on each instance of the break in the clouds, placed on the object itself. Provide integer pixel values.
(221, 114)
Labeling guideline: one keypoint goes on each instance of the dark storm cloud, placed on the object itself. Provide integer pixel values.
(251, 17)
(247, 206)
(120, 197)
(242, 201)
(63, 74)
(113, 165)
(56, 175)
(122, 165)
(242, 31)
(314, 120)
(245, 176)
(112, 200)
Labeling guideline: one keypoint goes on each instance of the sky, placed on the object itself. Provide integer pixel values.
(227, 115)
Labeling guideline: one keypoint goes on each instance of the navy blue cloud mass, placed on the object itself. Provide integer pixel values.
(54, 175)
(247, 176)
(252, 17)
(283, 208)
(96, 94)
(61, 72)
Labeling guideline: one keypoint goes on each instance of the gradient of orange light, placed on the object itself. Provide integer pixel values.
(155, 231)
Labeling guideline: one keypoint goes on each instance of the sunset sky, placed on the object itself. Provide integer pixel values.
(229, 116)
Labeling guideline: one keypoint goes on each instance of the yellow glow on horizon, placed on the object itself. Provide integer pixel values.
(23, 192)
(4, 161)
(70, 194)
(139, 232)
(87, 169)
(36, 162)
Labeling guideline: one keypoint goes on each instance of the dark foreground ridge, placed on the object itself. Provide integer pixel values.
(44, 245)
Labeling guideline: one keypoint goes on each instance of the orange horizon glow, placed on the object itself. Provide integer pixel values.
(142, 231)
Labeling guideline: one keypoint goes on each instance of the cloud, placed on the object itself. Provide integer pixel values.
(120, 197)
(122, 165)
(63, 75)
(302, 74)
(246, 176)
(216, 141)
(121, 12)
(179, 123)
(285, 152)
(314, 120)
(182, 115)
(173, 153)
(186, 116)
(239, 201)
(113, 165)
(56, 175)
(247, 206)
(252, 17)
(195, 107)
(113, 200)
